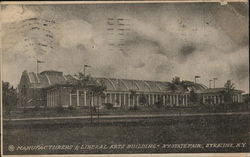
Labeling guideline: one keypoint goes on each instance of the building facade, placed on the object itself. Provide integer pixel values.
(53, 89)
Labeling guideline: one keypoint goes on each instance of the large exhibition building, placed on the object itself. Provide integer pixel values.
(54, 89)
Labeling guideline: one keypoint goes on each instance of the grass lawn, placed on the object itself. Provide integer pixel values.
(19, 113)
(180, 130)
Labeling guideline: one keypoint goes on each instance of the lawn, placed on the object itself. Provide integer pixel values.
(170, 130)
(54, 112)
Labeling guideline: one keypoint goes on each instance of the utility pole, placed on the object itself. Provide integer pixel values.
(84, 69)
(37, 65)
(214, 81)
(91, 116)
(210, 83)
(195, 77)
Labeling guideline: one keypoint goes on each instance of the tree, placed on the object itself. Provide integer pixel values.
(228, 91)
(176, 80)
(193, 97)
(143, 99)
(175, 83)
(132, 96)
(98, 90)
(9, 97)
(159, 103)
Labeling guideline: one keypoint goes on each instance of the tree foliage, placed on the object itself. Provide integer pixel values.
(193, 96)
(9, 96)
(228, 92)
(143, 99)
(159, 103)
(175, 83)
(176, 80)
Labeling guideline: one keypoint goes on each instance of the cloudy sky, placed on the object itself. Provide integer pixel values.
(134, 41)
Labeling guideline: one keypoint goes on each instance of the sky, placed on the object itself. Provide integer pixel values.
(132, 41)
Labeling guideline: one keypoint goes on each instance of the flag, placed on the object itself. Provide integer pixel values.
(85, 65)
(197, 76)
(38, 61)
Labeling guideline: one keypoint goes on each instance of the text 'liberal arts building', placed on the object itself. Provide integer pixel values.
(54, 89)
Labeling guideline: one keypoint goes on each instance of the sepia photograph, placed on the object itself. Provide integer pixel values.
(125, 78)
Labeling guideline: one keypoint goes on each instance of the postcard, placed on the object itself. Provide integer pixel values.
(129, 78)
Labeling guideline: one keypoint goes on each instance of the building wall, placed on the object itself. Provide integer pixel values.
(218, 98)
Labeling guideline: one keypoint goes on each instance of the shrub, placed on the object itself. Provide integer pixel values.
(59, 109)
(108, 105)
(133, 108)
(71, 108)
(159, 104)
(25, 110)
(37, 108)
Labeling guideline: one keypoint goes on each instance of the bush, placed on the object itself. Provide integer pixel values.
(59, 109)
(133, 108)
(108, 105)
(37, 108)
(25, 110)
(71, 108)
(159, 104)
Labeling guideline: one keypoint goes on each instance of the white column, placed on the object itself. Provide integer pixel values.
(170, 100)
(105, 99)
(85, 98)
(120, 99)
(149, 99)
(133, 100)
(153, 99)
(110, 98)
(92, 99)
(164, 100)
(129, 100)
(183, 100)
(70, 99)
(124, 99)
(240, 98)
(115, 99)
(48, 98)
(77, 98)
(186, 100)
(50, 93)
(57, 98)
(137, 100)
(52, 97)
(177, 99)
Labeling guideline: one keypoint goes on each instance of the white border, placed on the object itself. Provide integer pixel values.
(223, 2)
(124, 1)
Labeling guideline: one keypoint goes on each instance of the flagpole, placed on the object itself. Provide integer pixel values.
(37, 66)
(84, 71)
